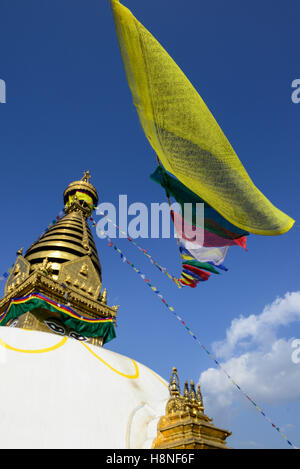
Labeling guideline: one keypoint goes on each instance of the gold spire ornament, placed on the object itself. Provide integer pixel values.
(81, 194)
(104, 296)
(185, 426)
(70, 238)
(86, 177)
(63, 265)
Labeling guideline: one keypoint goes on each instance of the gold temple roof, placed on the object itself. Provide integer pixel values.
(69, 239)
(185, 425)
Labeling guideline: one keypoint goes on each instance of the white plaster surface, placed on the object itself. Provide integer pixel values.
(69, 398)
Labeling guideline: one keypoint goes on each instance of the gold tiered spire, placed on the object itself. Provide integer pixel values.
(185, 426)
(70, 238)
(63, 264)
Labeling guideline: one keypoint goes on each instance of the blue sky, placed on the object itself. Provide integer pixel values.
(69, 108)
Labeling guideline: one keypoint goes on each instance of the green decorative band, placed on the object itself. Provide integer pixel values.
(88, 327)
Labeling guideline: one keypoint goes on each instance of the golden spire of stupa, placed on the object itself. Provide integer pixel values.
(70, 238)
(63, 264)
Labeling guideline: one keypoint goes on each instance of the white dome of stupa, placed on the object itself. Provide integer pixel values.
(58, 392)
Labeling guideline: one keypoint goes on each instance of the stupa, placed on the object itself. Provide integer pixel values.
(60, 388)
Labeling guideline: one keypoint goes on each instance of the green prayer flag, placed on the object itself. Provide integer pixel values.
(213, 221)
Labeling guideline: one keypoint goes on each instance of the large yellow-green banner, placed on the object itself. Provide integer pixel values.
(185, 135)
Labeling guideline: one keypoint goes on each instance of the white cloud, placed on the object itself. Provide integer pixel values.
(257, 360)
(259, 328)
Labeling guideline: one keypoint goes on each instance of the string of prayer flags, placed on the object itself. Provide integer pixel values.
(144, 251)
(190, 332)
(196, 230)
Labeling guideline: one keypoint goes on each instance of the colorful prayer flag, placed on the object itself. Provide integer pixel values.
(202, 237)
(184, 134)
(188, 201)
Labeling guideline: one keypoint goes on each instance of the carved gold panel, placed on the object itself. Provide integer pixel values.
(82, 276)
(18, 274)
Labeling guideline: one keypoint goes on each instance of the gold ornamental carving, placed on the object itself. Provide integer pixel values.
(19, 273)
(82, 276)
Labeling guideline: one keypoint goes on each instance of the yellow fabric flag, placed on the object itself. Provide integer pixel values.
(80, 196)
(185, 135)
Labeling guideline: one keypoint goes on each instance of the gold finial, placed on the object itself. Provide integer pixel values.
(186, 396)
(175, 402)
(186, 391)
(192, 391)
(81, 196)
(199, 396)
(20, 252)
(86, 177)
(104, 296)
(174, 387)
